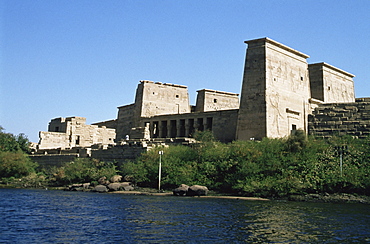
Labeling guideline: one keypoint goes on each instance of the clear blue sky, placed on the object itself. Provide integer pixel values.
(85, 58)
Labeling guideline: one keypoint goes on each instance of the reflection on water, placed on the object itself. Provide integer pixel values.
(308, 223)
(36, 216)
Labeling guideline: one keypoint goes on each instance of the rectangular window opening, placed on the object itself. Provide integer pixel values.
(77, 140)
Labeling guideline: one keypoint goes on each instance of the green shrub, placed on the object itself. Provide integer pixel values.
(84, 170)
(271, 167)
(15, 164)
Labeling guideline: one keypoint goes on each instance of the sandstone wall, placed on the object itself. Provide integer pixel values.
(287, 90)
(125, 121)
(51, 140)
(221, 123)
(275, 91)
(76, 134)
(53, 160)
(119, 153)
(330, 84)
(111, 124)
(158, 98)
(341, 119)
(252, 110)
(211, 100)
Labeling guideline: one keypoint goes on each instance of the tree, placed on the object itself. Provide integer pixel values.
(14, 161)
(8, 143)
(11, 143)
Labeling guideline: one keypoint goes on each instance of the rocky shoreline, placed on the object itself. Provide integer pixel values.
(131, 190)
(331, 198)
(325, 198)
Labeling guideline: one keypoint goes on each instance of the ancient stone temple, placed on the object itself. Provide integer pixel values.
(280, 93)
(280, 89)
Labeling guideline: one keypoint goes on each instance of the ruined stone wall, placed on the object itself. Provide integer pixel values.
(341, 119)
(57, 125)
(53, 160)
(119, 153)
(51, 140)
(77, 134)
(111, 124)
(330, 84)
(211, 100)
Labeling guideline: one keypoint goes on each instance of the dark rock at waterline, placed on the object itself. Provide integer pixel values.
(197, 190)
(125, 186)
(78, 187)
(181, 190)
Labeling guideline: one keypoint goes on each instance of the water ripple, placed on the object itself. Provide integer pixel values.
(37, 216)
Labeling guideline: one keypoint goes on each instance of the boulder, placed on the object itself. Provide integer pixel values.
(86, 185)
(116, 178)
(76, 187)
(125, 186)
(103, 181)
(128, 188)
(115, 186)
(181, 190)
(197, 190)
(101, 188)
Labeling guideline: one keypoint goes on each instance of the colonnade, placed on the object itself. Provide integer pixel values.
(172, 128)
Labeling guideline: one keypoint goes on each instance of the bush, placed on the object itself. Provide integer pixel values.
(15, 164)
(271, 167)
(84, 170)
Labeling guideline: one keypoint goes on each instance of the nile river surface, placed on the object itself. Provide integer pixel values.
(41, 216)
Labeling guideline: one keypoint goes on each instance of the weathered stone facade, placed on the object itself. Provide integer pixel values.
(281, 93)
(277, 90)
(165, 111)
(330, 84)
(67, 133)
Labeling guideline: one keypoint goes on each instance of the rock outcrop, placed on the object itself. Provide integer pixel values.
(195, 190)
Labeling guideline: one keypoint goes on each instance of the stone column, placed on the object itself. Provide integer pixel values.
(187, 128)
(204, 124)
(168, 129)
(160, 129)
(178, 128)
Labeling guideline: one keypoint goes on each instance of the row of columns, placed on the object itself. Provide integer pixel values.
(179, 127)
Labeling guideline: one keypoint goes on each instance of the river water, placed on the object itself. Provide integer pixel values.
(41, 216)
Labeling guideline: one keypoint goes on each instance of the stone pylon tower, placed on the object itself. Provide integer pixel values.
(275, 92)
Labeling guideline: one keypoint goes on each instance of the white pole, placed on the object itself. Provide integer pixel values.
(160, 170)
(341, 163)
